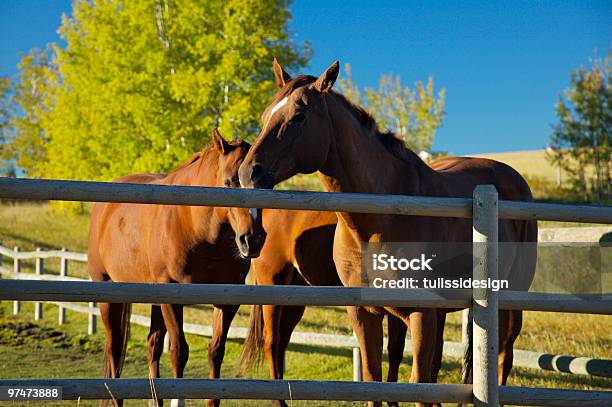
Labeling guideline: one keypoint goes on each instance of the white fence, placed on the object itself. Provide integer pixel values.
(484, 209)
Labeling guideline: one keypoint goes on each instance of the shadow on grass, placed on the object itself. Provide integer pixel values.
(21, 238)
(324, 327)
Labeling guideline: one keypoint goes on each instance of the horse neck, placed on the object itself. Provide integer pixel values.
(359, 162)
(203, 223)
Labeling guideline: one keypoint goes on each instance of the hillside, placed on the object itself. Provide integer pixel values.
(530, 162)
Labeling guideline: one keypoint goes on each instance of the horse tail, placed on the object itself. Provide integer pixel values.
(124, 334)
(466, 368)
(251, 350)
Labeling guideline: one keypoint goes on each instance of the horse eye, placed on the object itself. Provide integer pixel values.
(299, 117)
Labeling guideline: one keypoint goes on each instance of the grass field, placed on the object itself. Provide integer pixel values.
(44, 350)
(532, 163)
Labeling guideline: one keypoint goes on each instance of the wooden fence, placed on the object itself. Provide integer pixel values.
(485, 210)
(523, 358)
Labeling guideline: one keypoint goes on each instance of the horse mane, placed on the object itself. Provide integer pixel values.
(205, 152)
(188, 162)
(391, 141)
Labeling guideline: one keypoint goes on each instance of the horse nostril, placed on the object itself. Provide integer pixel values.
(243, 240)
(257, 172)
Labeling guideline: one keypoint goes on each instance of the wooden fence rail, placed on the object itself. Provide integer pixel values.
(94, 389)
(83, 291)
(40, 189)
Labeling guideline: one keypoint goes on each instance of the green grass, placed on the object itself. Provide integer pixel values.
(32, 225)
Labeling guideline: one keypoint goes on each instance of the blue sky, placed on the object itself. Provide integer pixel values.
(503, 64)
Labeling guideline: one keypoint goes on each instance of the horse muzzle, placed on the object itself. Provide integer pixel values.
(250, 244)
(255, 176)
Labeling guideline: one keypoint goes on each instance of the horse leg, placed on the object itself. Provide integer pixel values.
(277, 334)
(271, 315)
(395, 349)
(155, 345)
(155, 340)
(290, 317)
(369, 332)
(423, 333)
(437, 355)
(271, 329)
(179, 350)
(222, 319)
(114, 348)
(436, 363)
(510, 324)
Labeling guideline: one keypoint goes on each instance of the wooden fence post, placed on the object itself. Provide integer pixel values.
(465, 320)
(485, 301)
(16, 269)
(357, 368)
(166, 343)
(91, 319)
(38, 306)
(63, 273)
(92, 325)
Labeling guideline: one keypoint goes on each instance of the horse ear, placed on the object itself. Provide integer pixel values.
(325, 82)
(281, 76)
(219, 142)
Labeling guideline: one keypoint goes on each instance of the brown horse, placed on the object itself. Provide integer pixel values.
(298, 251)
(309, 127)
(174, 244)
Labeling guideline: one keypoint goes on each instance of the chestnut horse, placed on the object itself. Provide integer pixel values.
(140, 243)
(309, 127)
(298, 251)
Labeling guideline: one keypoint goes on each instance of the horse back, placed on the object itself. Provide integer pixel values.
(519, 252)
(117, 236)
(469, 172)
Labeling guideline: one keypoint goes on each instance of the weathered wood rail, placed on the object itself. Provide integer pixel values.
(83, 291)
(484, 208)
(93, 389)
(40, 189)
